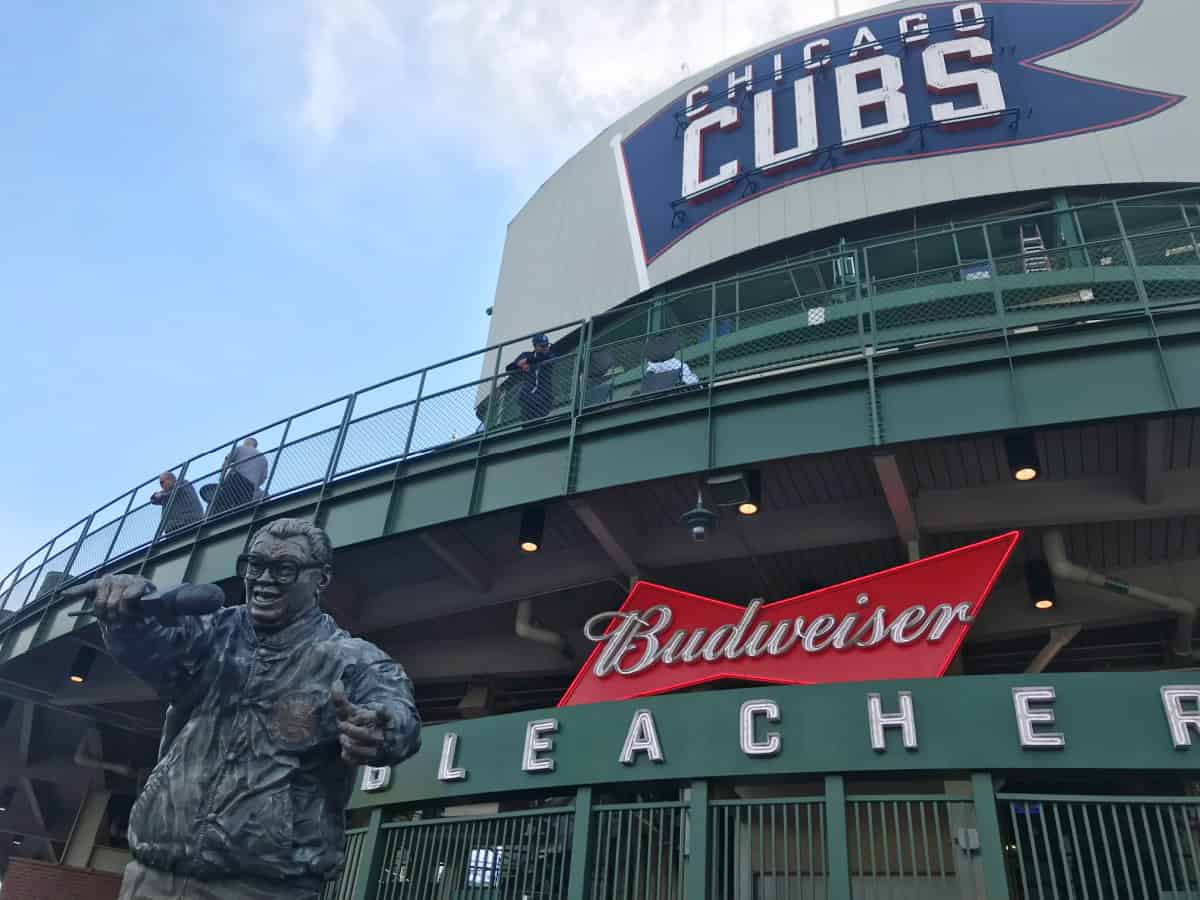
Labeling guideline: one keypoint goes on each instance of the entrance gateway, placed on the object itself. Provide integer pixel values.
(638, 789)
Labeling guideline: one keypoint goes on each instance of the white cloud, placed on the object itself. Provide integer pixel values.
(513, 84)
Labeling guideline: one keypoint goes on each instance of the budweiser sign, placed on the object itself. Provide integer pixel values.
(906, 622)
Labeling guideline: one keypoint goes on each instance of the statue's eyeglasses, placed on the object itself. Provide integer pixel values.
(283, 570)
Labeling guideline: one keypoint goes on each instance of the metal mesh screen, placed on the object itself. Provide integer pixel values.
(94, 549)
(21, 591)
(303, 462)
(442, 419)
(137, 529)
(376, 438)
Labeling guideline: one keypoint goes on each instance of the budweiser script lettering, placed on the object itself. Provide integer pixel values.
(633, 639)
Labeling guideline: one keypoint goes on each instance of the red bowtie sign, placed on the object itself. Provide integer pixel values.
(906, 622)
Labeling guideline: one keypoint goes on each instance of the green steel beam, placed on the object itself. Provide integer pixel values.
(695, 875)
(991, 846)
(837, 847)
(370, 861)
(581, 844)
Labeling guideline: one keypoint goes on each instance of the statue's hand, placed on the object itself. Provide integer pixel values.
(362, 729)
(114, 595)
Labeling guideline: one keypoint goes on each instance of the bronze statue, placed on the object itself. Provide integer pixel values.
(272, 708)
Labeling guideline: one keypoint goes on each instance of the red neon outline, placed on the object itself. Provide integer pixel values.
(1133, 6)
(585, 670)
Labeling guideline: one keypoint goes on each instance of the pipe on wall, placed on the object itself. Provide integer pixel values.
(530, 632)
(1061, 567)
(83, 759)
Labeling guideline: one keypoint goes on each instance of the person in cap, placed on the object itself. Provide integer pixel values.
(532, 371)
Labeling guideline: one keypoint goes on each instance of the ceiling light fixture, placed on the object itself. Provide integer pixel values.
(1040, 583)
(1021, 449)
(82, 667)
(533, 526)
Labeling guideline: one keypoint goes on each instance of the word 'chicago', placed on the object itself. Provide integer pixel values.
(1032, 706)
(635, 640)
(871, 101)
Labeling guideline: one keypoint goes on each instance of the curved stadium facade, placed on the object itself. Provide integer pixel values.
(914, 293)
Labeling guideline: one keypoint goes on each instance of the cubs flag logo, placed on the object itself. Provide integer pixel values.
(927, 81)
(906, 622)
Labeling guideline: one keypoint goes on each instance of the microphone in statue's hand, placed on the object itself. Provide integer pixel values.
(182, 600)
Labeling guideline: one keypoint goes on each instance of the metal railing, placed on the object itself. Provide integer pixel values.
(913, 848)
(1102, 847)
(1132, 257)
(825, 846)
(507, 855)
(342, 888)
(639, 850)
(768, 848)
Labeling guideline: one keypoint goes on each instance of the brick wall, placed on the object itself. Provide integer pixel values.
(31, 879)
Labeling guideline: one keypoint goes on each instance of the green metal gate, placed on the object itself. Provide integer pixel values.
(972, 846)
(1097, 848)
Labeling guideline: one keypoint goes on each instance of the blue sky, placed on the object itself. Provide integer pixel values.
(214, 214)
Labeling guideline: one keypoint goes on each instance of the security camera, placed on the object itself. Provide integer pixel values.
(699, 520)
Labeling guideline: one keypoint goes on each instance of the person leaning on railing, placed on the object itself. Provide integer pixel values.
(533, 370)
(177, 497)
(242, 478)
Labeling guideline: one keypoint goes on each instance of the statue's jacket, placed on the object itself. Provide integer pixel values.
(250, 780)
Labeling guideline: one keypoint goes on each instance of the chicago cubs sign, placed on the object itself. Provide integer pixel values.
(944, 78)
(905, 622)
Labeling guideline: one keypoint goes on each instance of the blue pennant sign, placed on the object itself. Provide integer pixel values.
(945, 78)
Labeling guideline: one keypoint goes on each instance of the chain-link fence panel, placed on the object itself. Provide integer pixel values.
(916, 280)
(1079, 277)
(1169, 265)
(972, 307)
(1171, 248)
(792, 331)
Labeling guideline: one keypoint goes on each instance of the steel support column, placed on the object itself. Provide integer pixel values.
(991, 847)
(581, 844)
(837, 848)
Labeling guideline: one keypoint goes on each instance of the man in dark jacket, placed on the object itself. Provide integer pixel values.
(532, 370)
(272, 709)
(177, 497)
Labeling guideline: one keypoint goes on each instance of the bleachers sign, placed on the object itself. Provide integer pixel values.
(940, 79)
(904, 622)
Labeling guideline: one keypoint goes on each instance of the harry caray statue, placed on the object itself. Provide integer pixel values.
(272, 709)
